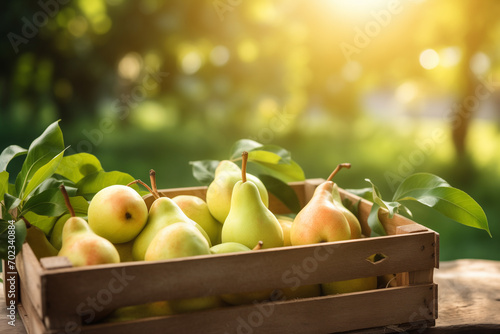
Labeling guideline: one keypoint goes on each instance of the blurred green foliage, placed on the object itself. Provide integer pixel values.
(394, 87)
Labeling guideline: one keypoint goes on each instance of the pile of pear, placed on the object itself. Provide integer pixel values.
(234, 218)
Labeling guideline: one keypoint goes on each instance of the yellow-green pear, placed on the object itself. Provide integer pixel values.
(39, 243)
(320, 220)
(56, 233)
(241, 298)
(219, 191)
(228, 247)
(353, 221)
(286, 224)
(353, 285)
(135, 312)
(249, 220)
(197, 209)
(176, 241)
(163, 212)
(81, 245)
(125, 251)
(117, 213)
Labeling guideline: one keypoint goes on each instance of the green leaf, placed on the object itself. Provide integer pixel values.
(42, 174)
(42, 222)
(47, 203)
(453, 203)
(204, 170)
(76, 166)
(4, 183)
(80, 205)
(392, 207)
(16, 239)
(42, 150)
(11, 202)
(434, 192)
(285, 172)
(281, 191)
(243, 145)
(366, 193)
(92, 183)
(416, 182)
(375, 225)
(9, 153)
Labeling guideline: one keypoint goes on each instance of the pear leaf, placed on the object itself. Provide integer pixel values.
(42, 150)
(4, 183)
(270, 154)
(281, 191)
(451, 202)
(243, 145)
(366, 193)
(42, 174)
(76, 166)
(47, 203)
(375, 225)
(418, 182)
(204, 170)
(92, 183)
(392, 207)
(285, 172)
(44, 223)
(9, 153)
(11, 202)
(6, 243)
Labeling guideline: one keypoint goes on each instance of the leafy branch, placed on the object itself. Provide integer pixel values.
(34, 197)
(429, 190)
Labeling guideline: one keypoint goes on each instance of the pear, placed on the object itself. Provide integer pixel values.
(241, 298)
(176, 241)
(286, 224)
(228, 247)
(163, 212)
(354, 224)
(117, 213)
(56, 233)
(219, 191)
(81, 245)
(135, 312)
(197, 209)
(125, 251)
(38, 242)
(321, 220)
(352, 285)
(249, 220)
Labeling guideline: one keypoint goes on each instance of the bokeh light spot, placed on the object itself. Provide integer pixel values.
(219, 55)
(129, 66)
(429, 59)
(480, 63)
(191, 62)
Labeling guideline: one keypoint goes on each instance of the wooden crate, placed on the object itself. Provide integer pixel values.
(56, 298)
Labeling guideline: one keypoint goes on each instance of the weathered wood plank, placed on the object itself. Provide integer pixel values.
(344, 312)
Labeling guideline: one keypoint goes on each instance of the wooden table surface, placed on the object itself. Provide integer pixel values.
(469, 299)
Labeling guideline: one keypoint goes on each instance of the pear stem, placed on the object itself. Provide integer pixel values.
(155, 195)
(152, 177)
(244, 159)
(258, 246)
(67, 201)
(339, 167)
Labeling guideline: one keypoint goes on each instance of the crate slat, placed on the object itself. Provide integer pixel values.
(313, 315)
